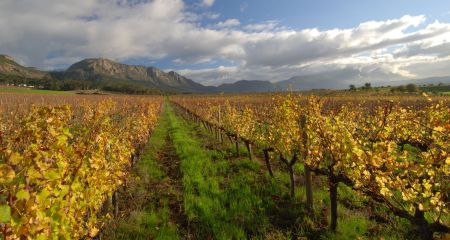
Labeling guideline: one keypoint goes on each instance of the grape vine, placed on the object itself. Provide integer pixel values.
(60, 163)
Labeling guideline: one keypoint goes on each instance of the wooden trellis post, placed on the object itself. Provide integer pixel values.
(308, 177)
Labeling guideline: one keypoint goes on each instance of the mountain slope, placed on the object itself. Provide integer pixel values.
(8, 66)
(98, 70)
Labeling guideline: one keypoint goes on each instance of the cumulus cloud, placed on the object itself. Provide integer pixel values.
(208, 3)
(212, 76)
(376, 51)
(45, 33)
(233, 22)
(49, 34)
(264, 26)
(211, 15)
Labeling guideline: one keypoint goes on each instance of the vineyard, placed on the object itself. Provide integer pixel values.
(278, 166)
(60, 162)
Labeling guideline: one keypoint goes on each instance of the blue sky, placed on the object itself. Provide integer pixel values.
(218, 41)
(326, 14)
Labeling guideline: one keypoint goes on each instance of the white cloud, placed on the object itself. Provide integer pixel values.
(212, 76)
(211, 15)
(264, 26)
(233, 22)
(208, 3)
(45, 28)
(292, 47)
(49, 34)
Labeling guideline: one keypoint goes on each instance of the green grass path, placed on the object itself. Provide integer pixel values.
(220, 198)
(151, 194)
(180, 190)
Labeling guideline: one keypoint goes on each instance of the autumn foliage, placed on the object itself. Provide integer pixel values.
(59, 163)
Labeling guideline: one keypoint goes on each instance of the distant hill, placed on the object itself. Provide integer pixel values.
(306, 83)
(422, 81)
(340, 79)
(247, 86)
(8, 66)
(309, 82)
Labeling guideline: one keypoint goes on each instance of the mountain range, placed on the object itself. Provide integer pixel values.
(98, 70)
(104, 72)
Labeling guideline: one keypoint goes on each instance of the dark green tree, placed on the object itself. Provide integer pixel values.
(412, 88)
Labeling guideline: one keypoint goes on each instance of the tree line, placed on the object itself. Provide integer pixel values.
(49, 83)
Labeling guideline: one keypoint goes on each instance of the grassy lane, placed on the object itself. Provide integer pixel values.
(221, 199)
(151, 205)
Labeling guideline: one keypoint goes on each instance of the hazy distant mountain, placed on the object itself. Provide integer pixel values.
(8, 66)
(107, 70)
(335, 81)
(308, 83)
(247, 86)
(422, 81)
